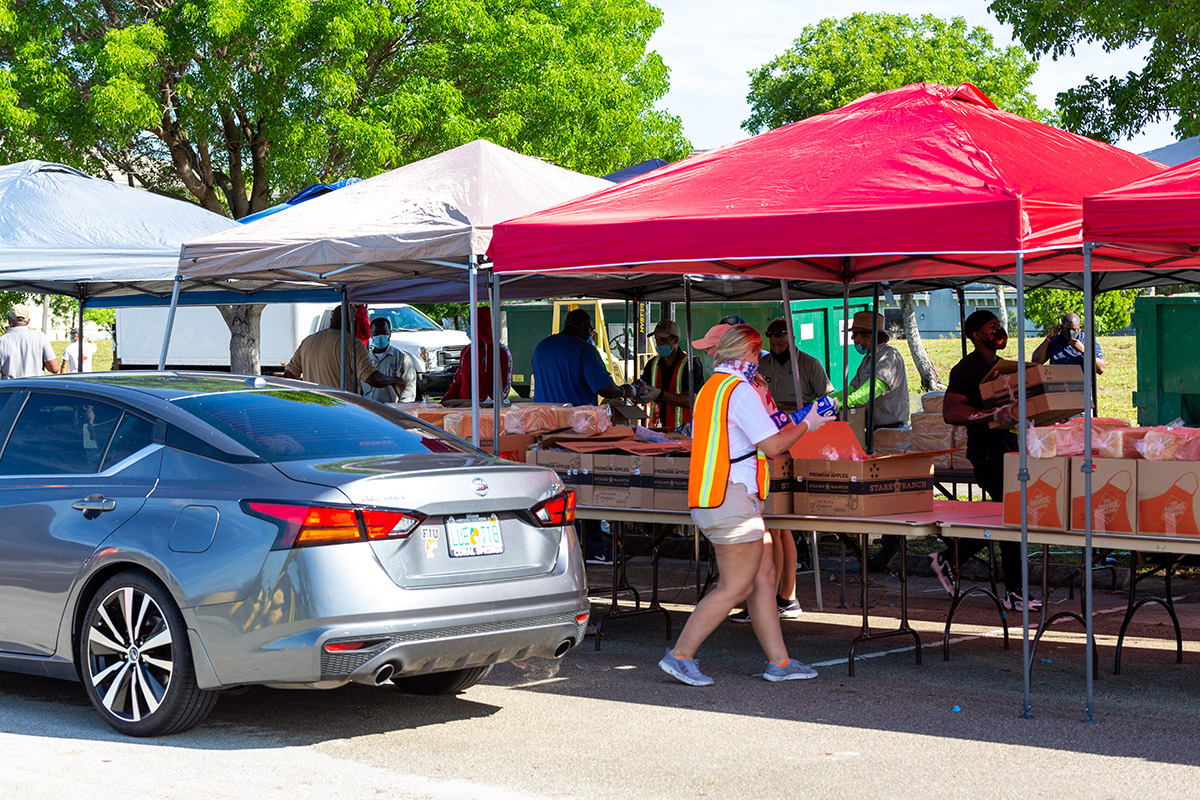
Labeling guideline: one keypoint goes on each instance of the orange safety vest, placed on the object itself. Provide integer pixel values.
(663, 414)
(710, 460)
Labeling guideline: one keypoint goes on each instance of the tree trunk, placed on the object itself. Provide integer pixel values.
(1002, 309)
(243, 322)
(46, 314)
(930, 382)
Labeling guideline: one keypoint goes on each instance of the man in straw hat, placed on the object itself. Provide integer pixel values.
(24, 353)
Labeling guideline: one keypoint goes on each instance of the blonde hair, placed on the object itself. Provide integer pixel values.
(736, 343)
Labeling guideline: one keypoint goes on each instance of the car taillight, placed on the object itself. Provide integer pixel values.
(558, 510)
(302, 525)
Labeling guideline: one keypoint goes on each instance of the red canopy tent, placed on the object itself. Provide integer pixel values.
(925, 180)
(1159, 213)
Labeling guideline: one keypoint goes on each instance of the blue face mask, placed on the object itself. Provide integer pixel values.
(380, 342)
(663, 350)
(861, 349)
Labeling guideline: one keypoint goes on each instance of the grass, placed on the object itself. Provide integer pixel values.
(1115, 386)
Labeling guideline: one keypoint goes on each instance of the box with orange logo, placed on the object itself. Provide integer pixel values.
(1167, 498)
(1114, 495)
(1048, 496)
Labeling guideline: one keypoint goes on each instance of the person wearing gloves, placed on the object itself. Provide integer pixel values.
(775, 367)
(392, 362)
(734, 435)
(668, 381)
(986, 446)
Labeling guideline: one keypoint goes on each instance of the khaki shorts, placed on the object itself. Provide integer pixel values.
(735, 521)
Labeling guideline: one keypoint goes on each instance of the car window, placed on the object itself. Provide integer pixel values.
(59, 435)
(291, 425)
(132, 434)
(405, 319)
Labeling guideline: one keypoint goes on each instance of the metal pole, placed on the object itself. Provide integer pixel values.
(79, 342)
(962, 317)
(473, 269)
(845, 410)
(346, 348)
(497, 362)
(625, 358)
(687, 319)
(162, 355)
(1089, 371)
(792, 346)
(1023, 479)
(873, 354)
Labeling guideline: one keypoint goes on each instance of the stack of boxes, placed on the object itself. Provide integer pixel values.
(927, 431)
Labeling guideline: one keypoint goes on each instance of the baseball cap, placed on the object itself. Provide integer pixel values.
(19, 313)
(667, 327)
(711, 338)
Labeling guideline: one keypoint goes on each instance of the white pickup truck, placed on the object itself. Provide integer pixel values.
(200, 339)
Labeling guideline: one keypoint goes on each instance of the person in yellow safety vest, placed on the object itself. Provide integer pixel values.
(732, 437)
(666, 380)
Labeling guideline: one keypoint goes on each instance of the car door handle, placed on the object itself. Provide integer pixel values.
(93, 505)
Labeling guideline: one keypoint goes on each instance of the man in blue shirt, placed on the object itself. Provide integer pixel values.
(1065, 345)
(567, 367)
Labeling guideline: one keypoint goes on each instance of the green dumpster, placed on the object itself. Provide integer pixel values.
(1168, 372)
(819, 331)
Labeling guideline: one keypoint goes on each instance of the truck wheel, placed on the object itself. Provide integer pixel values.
(135, 659)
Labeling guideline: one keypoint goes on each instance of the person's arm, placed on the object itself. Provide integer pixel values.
(957, 411)
(293, 369)
(51, 365)
(781, 442)
(862, 395)
(1042, 354)
(1100, 365)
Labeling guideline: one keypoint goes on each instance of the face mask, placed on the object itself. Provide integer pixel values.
(663, 350)
(999, 339)
(861, 349)
(380, 342)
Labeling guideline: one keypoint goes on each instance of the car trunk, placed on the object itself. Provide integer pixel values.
(477, 524)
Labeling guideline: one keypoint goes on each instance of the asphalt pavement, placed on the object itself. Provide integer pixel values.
(609, 723)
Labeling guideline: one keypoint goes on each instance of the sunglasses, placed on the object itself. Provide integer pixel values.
(776, 334)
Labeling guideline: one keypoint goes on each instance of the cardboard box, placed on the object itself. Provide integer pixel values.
(513, 446)
(574, 469)
(670, 479)
(618, 481)
(1167, 502)
(876, 487)
(1114, 495)
(779, 498)
(1052, 394)
(1049, 492)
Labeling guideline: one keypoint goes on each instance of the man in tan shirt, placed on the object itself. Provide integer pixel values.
(318, 359)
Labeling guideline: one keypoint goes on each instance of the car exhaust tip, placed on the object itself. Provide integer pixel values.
(563, 647)
(383, 674)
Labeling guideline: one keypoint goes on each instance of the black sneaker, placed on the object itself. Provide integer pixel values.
(740, 616)
(945, 573)
(1012, 601)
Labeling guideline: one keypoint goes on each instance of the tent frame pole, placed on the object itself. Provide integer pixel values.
(497, 361)
(162, 354)
(1023, 480)
(845, 409)
(79, 342)
(346, 347)
(687, 321)
(1089, 372)
(962, 317)
(873, 354)
(473, 269)
(792, 346)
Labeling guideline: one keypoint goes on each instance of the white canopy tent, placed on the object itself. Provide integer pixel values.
(432, 218)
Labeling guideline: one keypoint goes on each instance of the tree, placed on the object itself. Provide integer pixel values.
(1117, 107)
(238, 102)
(1045, 308)
(836, 61)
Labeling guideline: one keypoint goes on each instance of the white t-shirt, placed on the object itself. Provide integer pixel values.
(24, 352)
(748, 424)
(71, 354)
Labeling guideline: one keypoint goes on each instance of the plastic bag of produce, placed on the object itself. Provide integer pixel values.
(1119, 442)
(589, 419)
(1041, 442)
(1167, 443)
(523, 418)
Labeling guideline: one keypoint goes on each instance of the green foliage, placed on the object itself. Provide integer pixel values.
(441, 311)
(239, 102)
(1045, 308)
(836, 61)
(1117, 107)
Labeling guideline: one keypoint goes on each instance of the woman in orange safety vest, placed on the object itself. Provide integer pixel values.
(732, 437)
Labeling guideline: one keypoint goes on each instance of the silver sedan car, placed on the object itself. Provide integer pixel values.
(167, 536)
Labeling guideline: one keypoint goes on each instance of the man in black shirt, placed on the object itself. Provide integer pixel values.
(986, 446)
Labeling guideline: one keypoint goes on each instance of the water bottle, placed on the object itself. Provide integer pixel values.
(826, 406)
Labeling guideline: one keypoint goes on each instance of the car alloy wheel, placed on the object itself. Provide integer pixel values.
(136, 662)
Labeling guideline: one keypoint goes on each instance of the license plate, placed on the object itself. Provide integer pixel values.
(474, 537)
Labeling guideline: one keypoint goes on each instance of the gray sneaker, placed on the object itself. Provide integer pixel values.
(686, 670)
(793, 670)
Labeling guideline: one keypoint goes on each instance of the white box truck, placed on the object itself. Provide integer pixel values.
(200, 339)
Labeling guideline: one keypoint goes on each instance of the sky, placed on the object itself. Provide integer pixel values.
(711, 45)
